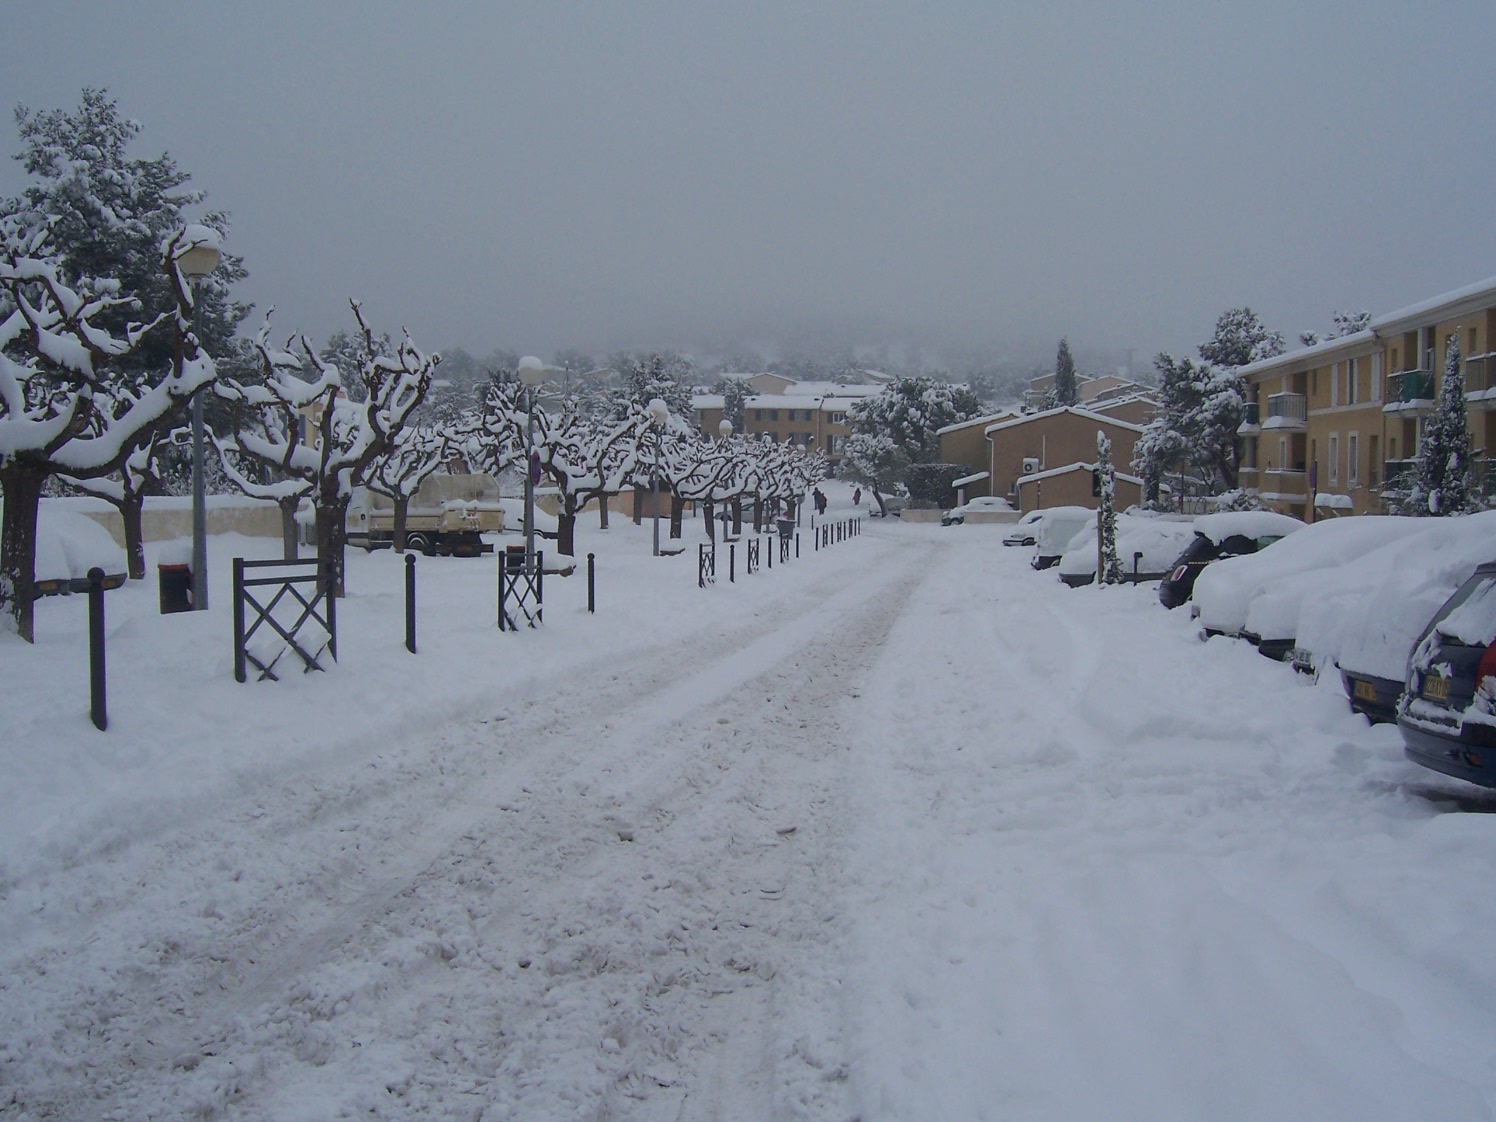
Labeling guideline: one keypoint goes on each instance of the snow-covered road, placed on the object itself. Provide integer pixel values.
(924, 834)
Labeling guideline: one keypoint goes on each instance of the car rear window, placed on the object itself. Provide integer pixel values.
(1469, 616)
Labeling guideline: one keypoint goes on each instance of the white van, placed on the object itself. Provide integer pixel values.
(1055, 529)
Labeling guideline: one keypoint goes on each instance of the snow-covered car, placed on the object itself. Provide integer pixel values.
(514, 518)
(984, 508)
(1059, 525)
(1259, 596)
(1366, 619)
(1025, 530)
(1146, 546)
(1231, 533)
(1447, 715)
(68, 545)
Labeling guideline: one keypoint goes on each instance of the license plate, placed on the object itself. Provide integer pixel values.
(1365, 691)
(1435, 688)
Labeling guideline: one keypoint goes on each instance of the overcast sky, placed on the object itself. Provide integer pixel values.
(967, 174)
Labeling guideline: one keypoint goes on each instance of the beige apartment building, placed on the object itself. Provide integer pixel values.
(1334, 429)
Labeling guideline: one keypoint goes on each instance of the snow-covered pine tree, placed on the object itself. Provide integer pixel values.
(1066, 388)
(1240, 338)
(1442, 484)
(1111, 563)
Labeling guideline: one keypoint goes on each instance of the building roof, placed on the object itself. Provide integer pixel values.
(1474, 296)
(988, 419)
(1330, 350)
(1066, 469)
(1079, 412)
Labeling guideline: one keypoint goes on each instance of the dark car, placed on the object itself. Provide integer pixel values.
(1448, 710)
(1373, 697)
(1176, 588)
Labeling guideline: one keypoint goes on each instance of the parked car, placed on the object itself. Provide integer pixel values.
(68, 545)
(1259, 596)
(1232, 533)
(1447, 715)
(1026, 529)
(984, 508)
(1146, 544)
(1059, 526)
(1366, 617)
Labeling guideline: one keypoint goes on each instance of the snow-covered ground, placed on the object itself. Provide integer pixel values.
(900, 830)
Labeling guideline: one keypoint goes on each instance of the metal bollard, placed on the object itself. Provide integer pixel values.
(591, 584)
(410, 602)
(98, 707)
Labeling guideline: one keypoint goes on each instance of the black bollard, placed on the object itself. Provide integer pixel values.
(410, 602)
(592, 583)
(98, 704)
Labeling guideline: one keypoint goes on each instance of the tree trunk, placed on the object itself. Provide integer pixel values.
(709, 509)
(22, 487)
(602, 510)
(288, 509)
(737, 518)
(566, 529)
(130, 511)
(402, 509)
(332, 539)
(882, 506)
(758, 514)
(677, 512)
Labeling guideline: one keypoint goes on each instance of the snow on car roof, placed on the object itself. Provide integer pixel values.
(1249, 523)
(1227, 591)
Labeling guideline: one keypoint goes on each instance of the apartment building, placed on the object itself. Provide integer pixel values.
(1335, 428)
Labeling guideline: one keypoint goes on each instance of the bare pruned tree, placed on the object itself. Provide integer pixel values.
(312, 434)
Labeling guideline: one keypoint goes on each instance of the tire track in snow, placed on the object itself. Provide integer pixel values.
(190, 1007)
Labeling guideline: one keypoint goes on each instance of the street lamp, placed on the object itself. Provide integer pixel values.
(724, 430)
(659, 412)
(531, 373)
(194, 263)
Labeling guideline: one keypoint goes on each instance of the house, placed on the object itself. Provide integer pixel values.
(1335, 428)
(812, 414)
(1056, 446)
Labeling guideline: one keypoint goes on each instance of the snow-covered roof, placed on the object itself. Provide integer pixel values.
(990, 418)
(1327, 351)
(1481, 292)
(1067, 469)
(1334, 502)
(1079, 412)
(708, 401)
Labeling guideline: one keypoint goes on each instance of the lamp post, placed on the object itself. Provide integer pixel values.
(194, 263)
(531, 372)
(658, 413)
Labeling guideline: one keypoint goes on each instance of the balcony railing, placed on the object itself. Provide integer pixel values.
(1480, 373)
(1287, 410)
(1253, 414)
(1398, 474)
(1408, 386)
(1276, 481)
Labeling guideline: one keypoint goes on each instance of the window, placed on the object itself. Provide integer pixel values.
(773, 414)
(1334, 459)
(1335, 383)
(838, 418)
(1352, 375)
(758, 414)
(1376, 376)
(1353, 460)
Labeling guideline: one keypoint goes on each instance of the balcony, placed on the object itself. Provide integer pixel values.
(1251, 423)
(1480, 381)
(1410, 392)
(1276, 484)
(1288, 411)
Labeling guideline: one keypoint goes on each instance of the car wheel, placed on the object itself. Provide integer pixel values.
(421, 543)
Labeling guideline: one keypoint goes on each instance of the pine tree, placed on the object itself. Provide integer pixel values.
(1111, 562)
(1442, 484)
(1240, 338)
(1066, 389)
